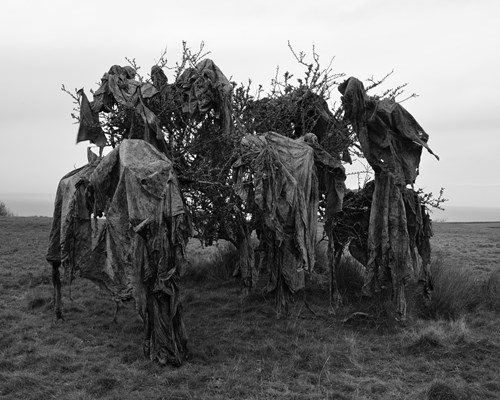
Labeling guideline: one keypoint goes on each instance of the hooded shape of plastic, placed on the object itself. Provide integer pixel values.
(391, 141)
(205, 88)
(149, 108)
(277, 175)
(140, 250)
(390, 138)
(118, 86)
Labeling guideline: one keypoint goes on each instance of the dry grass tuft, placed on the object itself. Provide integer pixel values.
(456, 291)
(437, 336)
(490, 291)
(442, 391)
(38, 298)
(456, 389)
(101, 386)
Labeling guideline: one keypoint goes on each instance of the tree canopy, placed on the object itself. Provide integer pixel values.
(199, 120)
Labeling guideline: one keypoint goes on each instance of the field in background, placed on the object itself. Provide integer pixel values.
(239, 349)
(472, 245)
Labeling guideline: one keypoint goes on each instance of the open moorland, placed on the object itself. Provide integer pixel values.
(449, 349)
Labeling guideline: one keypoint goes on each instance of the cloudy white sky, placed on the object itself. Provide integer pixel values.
(448, 52)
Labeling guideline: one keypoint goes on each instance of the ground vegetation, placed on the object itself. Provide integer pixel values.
(238, 349)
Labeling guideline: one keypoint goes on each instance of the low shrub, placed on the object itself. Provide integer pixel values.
(4, 211)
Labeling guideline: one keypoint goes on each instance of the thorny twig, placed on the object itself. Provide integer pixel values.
(134, 65)
(76, 101)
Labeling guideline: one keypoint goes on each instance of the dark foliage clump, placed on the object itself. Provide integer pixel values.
(5, 211)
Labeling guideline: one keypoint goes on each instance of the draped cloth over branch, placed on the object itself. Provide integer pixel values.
(89, 128)
(140, 245)
(331, 176)
(140, 250)
(205, 88)
(392, 142)
(277, 175)
(149, 110)
(118, 86)
(352, 228)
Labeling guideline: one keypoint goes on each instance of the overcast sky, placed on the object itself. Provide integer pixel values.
(448, 52)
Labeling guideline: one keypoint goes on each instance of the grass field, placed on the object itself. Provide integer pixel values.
(239, 349)
(473, 245)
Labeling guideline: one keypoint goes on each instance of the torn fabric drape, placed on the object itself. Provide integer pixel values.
(140, 250)
(277, 174)
(89, 128)
(118, 86)
(139, 247)
(392, 142)
(205, 88)
(71, 233)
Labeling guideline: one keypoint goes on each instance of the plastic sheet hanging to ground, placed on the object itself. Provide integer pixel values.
(392, 142)
(139, 252)
(284, 188)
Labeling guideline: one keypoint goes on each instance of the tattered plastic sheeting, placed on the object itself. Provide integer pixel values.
(331, 182)
(331, 176)
(71, 232)
(140, 250)
(391, 141)
(420, 233)
(205, 88)
(198, 91)
(89, 128)
(277, 174)
(118, 86)
(389, 263)
(352, 228)
(390, 138)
